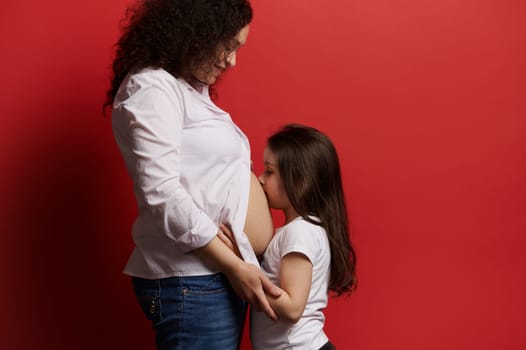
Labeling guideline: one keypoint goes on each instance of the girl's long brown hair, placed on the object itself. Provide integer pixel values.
(310, 170)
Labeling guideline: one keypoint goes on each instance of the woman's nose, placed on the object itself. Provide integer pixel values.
(231, 59)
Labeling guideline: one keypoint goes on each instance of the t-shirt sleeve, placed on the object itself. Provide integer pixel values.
(300, 239)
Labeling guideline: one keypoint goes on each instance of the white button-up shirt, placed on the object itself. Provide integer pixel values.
(190, 166)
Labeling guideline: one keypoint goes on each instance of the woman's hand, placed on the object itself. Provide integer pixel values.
(251, 284)
(248, 281)
(227, 237)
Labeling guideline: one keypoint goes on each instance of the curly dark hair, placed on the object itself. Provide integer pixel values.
(176, 35)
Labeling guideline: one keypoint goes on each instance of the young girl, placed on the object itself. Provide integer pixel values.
(311, 254)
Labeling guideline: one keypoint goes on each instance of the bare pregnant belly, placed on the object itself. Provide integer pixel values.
(258, 225)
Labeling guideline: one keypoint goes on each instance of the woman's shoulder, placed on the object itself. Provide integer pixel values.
(149, 82)
(155, 77)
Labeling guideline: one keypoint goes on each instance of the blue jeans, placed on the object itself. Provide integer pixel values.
(328, 346)
(197, 312)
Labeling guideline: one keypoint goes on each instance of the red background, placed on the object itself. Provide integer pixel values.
(425, 101)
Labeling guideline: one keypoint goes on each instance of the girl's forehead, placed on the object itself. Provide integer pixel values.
(269, 156)
(271, 162)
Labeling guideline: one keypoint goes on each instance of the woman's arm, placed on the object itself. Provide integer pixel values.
(148, 127)
(295, 278)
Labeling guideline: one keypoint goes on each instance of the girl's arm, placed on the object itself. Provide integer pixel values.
(295, 278)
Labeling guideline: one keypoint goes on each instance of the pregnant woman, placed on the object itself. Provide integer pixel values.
(190, 166)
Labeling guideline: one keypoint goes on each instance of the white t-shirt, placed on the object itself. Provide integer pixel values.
(311, 240)
(190, 166)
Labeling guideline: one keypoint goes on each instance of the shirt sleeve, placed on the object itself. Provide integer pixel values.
(148, 129)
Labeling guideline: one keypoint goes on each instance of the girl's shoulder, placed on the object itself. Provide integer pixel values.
(301, 236)
(301, 223)
(302, 228)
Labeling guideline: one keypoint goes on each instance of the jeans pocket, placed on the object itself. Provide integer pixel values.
(213, 284)
(148, 297)
(151, 306)
(212, 311)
